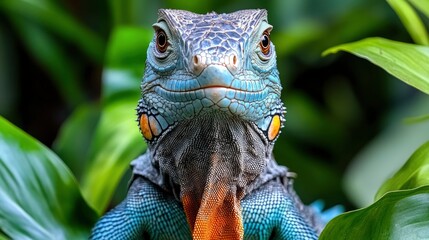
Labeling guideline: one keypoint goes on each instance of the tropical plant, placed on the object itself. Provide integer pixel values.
(401, 209)
(40, 197)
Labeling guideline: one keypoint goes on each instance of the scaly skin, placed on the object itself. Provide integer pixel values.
(210, 112)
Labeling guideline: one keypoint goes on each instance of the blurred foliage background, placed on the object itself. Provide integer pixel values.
(344, 133)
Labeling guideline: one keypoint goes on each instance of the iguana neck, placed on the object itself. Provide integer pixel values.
(212, 158)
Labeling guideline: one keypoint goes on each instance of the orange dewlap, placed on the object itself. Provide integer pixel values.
(219, 215)
(145, 128)
(274, 128)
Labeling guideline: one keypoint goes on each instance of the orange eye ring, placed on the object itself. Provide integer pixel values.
(265, 43)
(161, 41)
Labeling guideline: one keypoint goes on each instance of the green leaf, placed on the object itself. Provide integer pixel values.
(39, 197)
(117, 141)
(411, 21)
(3, 237)
(50, 16)
(397, 215)
(418, 119)
(408, 62)
(414, 173)
(422, 5)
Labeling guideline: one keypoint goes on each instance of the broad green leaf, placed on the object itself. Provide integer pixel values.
(397, 215)
(117, 141)
(408, 62)
(2, 237)
(411, 21)
(422, 5)
(39, 197)
(414, 173)
(50, 16)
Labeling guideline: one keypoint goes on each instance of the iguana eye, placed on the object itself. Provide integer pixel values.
(161, 41)
(265, 43)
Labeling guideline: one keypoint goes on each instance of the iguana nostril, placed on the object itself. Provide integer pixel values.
(198, 64)
(202, 60)
(232, 63)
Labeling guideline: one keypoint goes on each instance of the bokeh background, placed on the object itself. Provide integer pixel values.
(344, 132)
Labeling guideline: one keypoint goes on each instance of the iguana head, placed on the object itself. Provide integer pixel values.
(211, 110)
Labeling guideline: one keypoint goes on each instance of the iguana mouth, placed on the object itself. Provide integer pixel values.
(199, 93)
(213, 76)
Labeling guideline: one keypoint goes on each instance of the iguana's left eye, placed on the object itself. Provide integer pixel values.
(161, 41)
(265, 43)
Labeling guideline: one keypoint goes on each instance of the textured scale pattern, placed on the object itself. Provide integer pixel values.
(277, 220)
(214, 36)
(148, 213)
(210, 112)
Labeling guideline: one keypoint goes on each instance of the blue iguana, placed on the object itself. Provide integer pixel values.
(210, 112)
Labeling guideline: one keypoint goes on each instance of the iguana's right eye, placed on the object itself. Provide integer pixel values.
(162, 52)
(265, 44)
(161, 41)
